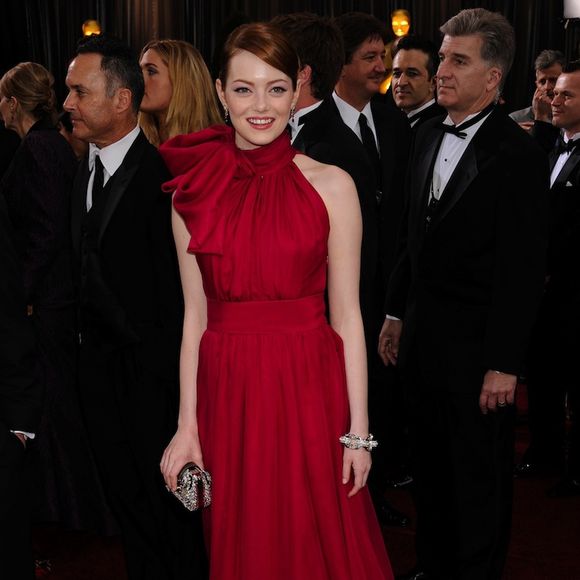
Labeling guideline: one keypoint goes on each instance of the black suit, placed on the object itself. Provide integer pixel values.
(20, 398)
(131, 316)
(326, 138)
(467, 289)
(552, 366)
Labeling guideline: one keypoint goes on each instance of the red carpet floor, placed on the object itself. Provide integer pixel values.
(545, 542)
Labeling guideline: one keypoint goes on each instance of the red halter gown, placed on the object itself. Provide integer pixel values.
(271, 388)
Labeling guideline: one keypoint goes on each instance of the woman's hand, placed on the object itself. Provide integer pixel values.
(183, 448)
(359, 461)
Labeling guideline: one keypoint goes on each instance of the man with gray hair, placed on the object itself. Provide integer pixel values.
(548, 67)
(462, 300)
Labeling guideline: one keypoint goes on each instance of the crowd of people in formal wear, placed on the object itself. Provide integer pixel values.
(255, 274)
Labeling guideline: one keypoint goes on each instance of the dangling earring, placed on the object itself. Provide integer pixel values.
(292, 111)
(12, 112)
(226, 114)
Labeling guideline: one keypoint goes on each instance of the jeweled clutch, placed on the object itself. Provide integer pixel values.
(193, 487)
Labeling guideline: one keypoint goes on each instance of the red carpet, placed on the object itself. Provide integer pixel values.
(545, 541)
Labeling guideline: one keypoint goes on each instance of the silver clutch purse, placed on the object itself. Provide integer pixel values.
(193, 487)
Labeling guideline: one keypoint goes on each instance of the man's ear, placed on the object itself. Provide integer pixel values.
(305, 75)
(124, 99)
(494, 78)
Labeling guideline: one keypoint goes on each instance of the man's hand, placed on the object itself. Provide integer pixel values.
(498, 391)
(389, 341)
(542, 105)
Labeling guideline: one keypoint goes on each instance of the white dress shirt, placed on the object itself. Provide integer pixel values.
(450, 153)
(111, 157)
(350, 117)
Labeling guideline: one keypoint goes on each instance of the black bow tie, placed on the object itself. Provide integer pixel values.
(565, 147)
(459, 130)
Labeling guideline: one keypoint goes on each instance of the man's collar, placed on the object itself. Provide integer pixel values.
(350, 114)
(112, 155)
(302, 113)
(416, 111)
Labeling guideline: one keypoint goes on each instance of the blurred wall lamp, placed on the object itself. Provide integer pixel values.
(91, 27)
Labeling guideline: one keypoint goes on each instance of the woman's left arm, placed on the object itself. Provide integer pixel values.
(344, 248)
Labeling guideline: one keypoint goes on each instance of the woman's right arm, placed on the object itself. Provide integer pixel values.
(185, 445)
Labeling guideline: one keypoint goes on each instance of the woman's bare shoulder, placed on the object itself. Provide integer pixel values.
(328, 180)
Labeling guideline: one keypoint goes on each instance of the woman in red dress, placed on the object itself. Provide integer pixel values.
(267, 385)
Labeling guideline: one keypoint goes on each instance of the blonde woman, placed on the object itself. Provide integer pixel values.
(179, 93)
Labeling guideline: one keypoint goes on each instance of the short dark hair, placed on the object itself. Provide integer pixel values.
(497, 34)
(268, 43)
(412, 42)
(548, 58)
(572, 66)
(318, 42)
(119, 64)
(356, 27)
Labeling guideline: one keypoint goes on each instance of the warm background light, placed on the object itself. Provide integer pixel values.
(401, 22)
(91, 27)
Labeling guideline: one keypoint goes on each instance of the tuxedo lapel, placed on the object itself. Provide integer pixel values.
(569, 166)
(121, 180)
(299, 142)
(464, 174)
(430, 112)
(309, 124)
(79, 202)
(424, 172)
(481, 149)
(385, 142)
(553, 157)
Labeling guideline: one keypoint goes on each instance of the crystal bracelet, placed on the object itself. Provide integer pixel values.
(353, 441)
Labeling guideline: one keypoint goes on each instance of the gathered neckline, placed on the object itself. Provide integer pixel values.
(268, 158)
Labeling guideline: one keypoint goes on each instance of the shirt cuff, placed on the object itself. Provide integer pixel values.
(389, 317)
(28, 435)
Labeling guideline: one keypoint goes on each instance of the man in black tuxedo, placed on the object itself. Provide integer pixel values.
(385, 136)
(318, 131)
(547, 68)
(130, 309)
(20, 402)
(552, 366)
(466, 287)
(414, 66)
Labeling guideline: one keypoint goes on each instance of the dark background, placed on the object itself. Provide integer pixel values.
(46, 31)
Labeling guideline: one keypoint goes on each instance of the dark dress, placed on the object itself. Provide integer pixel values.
(271, 385)
(37, 187)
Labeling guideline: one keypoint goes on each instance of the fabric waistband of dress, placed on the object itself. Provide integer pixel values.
(267, 316)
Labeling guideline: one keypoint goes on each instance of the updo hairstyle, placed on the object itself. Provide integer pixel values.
(268, 43)
(32, 86)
